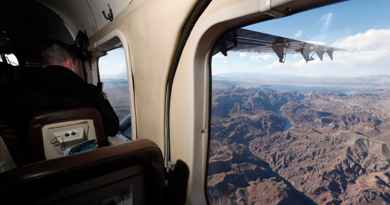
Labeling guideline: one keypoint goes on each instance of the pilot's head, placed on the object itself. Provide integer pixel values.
(58, 54)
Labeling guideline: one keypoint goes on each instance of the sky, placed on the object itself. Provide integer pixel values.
(360, 27)
(113, 65)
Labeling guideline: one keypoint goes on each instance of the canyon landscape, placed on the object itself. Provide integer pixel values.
(302, 142)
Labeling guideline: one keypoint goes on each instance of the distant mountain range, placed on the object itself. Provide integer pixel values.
(255, 80)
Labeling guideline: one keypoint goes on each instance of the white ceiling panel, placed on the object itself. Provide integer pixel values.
(86, 14)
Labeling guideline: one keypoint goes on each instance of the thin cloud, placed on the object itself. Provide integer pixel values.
(243, 54)
(372, 39)
(298, 34)
(326, 21)
(365, 54)
(263, 57)
(218, 56)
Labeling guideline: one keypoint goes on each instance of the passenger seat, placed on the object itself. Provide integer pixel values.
(131, 173)
(52, 134)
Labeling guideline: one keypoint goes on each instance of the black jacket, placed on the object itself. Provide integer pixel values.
(56, 88)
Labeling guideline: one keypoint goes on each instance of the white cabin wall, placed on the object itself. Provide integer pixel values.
(76, 14)
(189, 114)
(86, 14)
(152, 28)
(190, 96)
(97, 6)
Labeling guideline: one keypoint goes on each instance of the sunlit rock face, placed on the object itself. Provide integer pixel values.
(299, 147)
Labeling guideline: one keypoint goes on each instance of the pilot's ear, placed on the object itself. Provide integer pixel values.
(68, 63)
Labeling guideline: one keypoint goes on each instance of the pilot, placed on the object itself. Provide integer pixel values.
(57, 85)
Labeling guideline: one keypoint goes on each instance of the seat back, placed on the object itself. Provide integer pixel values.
(131, 173)
(7, 74)
(52, 133)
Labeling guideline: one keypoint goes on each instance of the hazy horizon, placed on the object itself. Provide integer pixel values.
(250, 74)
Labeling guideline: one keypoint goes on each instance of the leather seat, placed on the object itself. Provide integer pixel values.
(8, 76)
(102, 176)
(43, 127)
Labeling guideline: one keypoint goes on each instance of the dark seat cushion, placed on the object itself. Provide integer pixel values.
(75, 177)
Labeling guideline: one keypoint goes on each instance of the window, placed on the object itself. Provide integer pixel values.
(289, 125)
(9, 59)
(113, 74)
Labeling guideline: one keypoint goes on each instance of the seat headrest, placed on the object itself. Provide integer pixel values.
(8, 74)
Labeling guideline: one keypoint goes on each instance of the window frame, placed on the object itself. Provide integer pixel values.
(97, 49)
(198, 55)
(190, 122)
(221, 28)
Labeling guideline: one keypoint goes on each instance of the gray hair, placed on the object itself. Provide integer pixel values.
(55, 54)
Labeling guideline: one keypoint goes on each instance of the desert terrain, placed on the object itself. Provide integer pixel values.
(300, 143)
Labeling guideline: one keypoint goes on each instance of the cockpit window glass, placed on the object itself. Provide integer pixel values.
(113, 74)
(300, 109)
